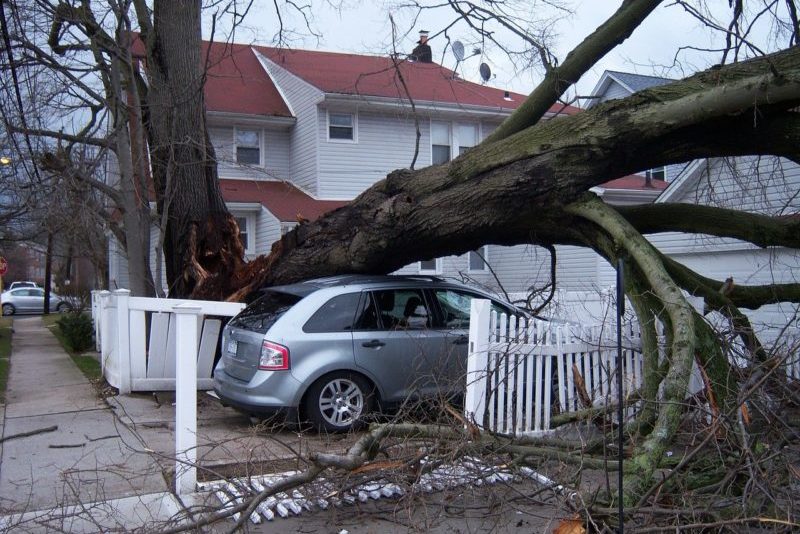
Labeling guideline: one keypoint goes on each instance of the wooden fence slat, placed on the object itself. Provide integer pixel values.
(208, 347)
(157, 348)
(169, 362)
(138, 341)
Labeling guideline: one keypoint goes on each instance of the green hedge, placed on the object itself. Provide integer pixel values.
(77, 329)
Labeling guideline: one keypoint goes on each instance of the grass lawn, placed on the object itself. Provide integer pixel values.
(86, 362)
(5, 354)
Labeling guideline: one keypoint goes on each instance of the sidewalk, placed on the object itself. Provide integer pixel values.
(76, 452)
(71, 461)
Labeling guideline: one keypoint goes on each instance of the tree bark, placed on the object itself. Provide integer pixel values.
(201, 235)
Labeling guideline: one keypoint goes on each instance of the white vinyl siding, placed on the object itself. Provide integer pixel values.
(275, 142)
(304, 135)
(385, 143)
(268, 230)
(613, 91)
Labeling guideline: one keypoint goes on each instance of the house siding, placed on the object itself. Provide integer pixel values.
(613, 91)
(384, 142)
(303, 137)
(268, 230)
(275, 147)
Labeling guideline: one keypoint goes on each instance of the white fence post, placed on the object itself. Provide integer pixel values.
(477, 361)
(186, 398)
(123, 341)
(101, 325)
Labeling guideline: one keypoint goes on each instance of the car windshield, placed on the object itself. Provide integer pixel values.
(264, 311)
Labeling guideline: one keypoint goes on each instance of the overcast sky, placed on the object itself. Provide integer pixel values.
(363, 27)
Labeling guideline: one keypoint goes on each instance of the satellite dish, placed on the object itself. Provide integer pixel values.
(485, 71)
(458, 50)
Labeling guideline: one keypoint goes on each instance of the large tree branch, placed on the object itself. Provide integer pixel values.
(760, 230)
(513, 191)
(750, 297)
(611, 33)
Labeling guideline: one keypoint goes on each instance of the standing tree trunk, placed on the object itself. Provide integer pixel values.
(201, 235)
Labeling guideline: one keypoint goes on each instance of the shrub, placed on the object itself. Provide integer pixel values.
(78, 331)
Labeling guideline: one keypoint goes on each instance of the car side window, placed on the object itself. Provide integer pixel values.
(367, 315)
(336, 315)
(36, 292)
(402, 309)
(456, 306)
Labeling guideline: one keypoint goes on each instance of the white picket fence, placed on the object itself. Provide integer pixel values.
(138, 342)
(162, 344)
(519, 372)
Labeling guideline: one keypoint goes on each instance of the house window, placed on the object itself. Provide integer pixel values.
(245, 233)
(248, 147)
(341, 127)
(440, 142)
(477, 259)
(467, 137)
(659, 173)
(430, 266)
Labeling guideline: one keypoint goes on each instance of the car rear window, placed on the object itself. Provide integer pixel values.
(264, 311)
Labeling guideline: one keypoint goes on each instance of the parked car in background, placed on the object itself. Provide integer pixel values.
(31, 300)
(15, 285)
(332, 350)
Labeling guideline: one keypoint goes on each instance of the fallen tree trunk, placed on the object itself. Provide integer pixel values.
(514, 190)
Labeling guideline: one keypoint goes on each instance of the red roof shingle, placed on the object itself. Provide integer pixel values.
(238, 83)
(282, 199)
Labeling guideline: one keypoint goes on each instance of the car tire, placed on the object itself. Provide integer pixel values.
(63, 308)
(339, 402)
(8, 309)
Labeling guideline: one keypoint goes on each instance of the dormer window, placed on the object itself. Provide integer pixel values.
(341, 127)
(248, 147)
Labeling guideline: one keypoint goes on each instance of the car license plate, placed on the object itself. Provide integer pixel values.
(232, 346)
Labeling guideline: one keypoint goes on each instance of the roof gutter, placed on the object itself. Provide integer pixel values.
(427, 106)
(248, 119)
(626, 195)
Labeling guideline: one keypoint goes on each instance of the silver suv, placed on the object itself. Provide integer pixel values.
(332, 350)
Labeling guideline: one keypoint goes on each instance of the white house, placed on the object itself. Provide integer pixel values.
(300, 132)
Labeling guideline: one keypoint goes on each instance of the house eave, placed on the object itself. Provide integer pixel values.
(632, 196)
(249, 119)
(424, 106)
(244, 206)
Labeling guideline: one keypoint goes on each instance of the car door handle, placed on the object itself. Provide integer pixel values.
(461, 340)
(373, 344)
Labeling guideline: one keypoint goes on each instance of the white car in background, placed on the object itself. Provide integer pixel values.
(31, 300)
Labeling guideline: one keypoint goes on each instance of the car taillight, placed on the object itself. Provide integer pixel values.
(274, 357)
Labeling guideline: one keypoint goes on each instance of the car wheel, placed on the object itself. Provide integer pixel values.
(338, 402)
(8, 309)
(63, 308)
